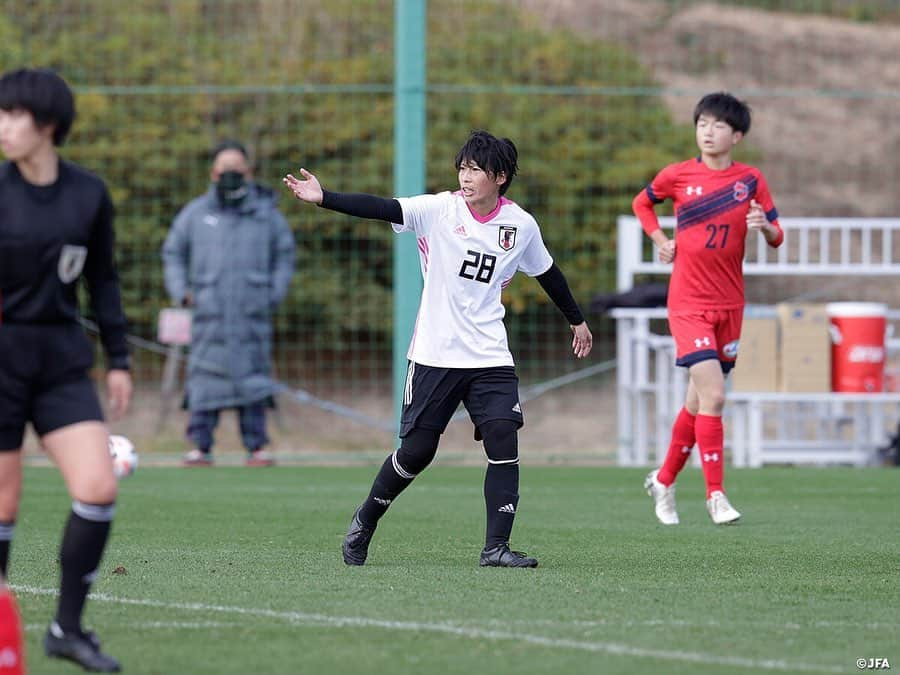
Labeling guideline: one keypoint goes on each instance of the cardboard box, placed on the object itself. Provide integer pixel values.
(757, 363)
(804, 348)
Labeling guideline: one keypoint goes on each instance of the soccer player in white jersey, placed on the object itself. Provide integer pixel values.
(471, 243)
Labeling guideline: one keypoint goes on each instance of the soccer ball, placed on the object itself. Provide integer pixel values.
(124, 456)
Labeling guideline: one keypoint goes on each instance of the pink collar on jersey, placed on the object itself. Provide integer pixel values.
(483, 219)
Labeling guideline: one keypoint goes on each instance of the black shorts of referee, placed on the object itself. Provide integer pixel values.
(44, 380)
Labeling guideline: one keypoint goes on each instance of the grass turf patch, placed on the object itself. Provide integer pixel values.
(235, 570)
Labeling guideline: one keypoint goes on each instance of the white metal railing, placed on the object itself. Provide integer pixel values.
(808, 428)
(763, 427)
(848, 246)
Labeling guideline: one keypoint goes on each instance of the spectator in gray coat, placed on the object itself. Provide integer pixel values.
(230, 257)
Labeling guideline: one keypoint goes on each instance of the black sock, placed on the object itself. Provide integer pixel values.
(501, 497)
(6, 534)
(82, 548)
(387, 485)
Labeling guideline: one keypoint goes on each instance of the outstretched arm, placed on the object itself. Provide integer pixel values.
(360, 205)
(557, 288)
(307, 189)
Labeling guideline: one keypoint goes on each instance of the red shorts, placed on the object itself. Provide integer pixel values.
(706, 334)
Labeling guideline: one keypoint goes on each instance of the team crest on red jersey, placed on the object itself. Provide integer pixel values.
(741, 191)
(507, 237)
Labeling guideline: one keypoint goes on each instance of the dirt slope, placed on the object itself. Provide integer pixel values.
(825, 92)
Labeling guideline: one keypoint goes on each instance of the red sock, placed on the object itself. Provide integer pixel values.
(710, 439)
(683, 440)
(12, 654)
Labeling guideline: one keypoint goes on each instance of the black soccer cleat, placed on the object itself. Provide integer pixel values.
(356, 544)
(80, 648)
(501, 556)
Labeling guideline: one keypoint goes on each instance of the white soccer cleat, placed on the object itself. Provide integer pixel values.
(720, 509)
(663, 497)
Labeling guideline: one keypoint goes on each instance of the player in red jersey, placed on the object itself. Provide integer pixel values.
(717, 200)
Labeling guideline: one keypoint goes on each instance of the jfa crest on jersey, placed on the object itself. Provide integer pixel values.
(507, 237)
(466, 261)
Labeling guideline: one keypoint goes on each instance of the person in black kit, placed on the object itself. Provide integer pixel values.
(56, 227)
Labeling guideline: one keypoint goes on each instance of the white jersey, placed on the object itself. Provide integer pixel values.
(467, 260)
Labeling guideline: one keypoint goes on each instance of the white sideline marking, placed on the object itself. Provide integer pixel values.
(461, 631)
(143, 625)
(875, 625)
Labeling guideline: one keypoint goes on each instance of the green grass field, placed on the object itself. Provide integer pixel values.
(234, 570)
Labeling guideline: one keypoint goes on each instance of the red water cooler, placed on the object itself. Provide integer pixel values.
(857, 345)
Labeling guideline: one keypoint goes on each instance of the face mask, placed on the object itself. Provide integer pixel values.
(231, 188)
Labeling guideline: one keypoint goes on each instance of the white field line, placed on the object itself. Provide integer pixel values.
(616, 649)
(644, 623)
(146, 625)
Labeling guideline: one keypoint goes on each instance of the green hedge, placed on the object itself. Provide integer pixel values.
(159, 83)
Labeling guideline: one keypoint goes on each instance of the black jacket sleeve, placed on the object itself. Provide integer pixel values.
(557, 288)
(103, 285)
(363, 206)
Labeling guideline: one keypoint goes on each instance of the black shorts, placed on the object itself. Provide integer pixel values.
(44, 380)
(432, 395)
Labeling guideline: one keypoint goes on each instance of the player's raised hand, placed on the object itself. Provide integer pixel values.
(583, 340)
(756, 217)
(667, 251)
(306, 189)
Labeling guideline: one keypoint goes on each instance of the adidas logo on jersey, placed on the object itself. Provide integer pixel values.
(517, 408)
(461, 231)
(507, 508)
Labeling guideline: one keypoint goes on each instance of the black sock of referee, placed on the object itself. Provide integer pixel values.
(82, 548)
(387, 485)
(501, 497)
(6, 534)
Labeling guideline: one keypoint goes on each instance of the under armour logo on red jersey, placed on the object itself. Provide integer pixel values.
(711, 457)
(702, 342)
(692, 190)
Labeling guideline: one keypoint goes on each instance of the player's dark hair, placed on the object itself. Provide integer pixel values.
(494, 155)
(723, 106)
(228, 144)
(44, 94)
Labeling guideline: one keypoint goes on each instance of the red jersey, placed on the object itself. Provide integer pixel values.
(711, 210)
